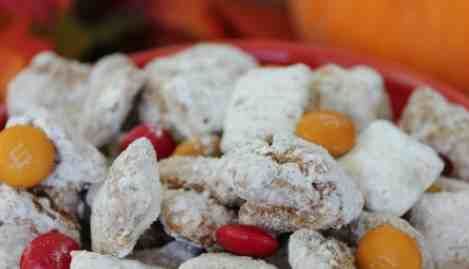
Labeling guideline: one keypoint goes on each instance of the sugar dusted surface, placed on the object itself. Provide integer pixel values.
(95, 100)
(204, 68)
(24, 209)
(194, 217)
(14, 238)
(309, 249)
(392, 169)
(358, 92)
(225, 261)
(267, 101)
(430, 118)
(128, 202)
(443, 220)
(88, 260)
(114, 82)
(296, 178)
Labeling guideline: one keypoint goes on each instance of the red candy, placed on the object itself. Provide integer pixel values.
(49, 251)
(3, 116)
(246, 240)
(161, 139)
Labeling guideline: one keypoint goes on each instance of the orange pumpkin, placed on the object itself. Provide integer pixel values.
(430, 35)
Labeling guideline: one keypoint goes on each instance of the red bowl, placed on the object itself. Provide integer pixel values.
(399, 81)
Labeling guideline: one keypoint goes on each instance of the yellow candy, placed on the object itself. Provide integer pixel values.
(27, 156)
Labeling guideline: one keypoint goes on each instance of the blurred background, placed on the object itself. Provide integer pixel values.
(430, 36)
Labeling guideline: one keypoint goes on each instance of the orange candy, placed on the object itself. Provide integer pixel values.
(332, 130)
(27, 156)
(195, 147)
(386, 247)
(189, 148)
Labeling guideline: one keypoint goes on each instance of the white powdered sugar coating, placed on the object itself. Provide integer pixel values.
(267, 101)
(443, 220)
(430, 118)
(225, 261)
(289, 184)
(194, 216)
(94, 100)
(22, 208)
(113, 84)
(14, 238)
(392, 169)
(369, 221)
(53, 83)
(294, 178)
(87, 260)
(199, 173)
(128, 202)
(357, 92)
(309, 249)
(189, 91)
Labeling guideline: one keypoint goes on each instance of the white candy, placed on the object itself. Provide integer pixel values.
(88, 260)
(189, 91)
(309, 249)
(357, 92)
(224, 261)
(392, 169)
(443, 220)
(267, 101)
(128, 202)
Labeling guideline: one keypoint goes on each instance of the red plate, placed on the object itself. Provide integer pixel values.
(400, 81)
